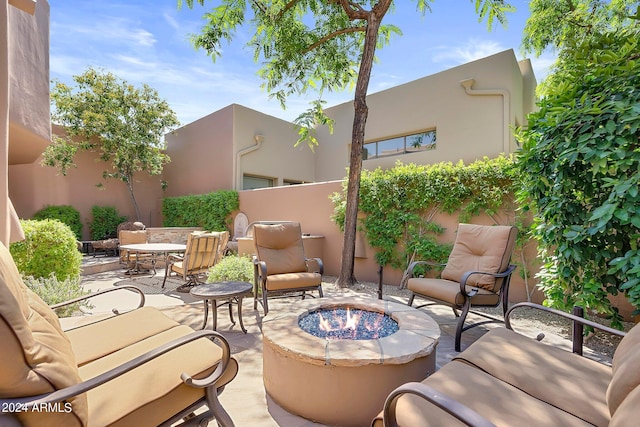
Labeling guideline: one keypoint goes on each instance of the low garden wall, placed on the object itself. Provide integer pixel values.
(170, 234)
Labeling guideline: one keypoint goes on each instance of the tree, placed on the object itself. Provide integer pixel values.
(564, 24)
(580, 160)
(106, 114)
(323, 45)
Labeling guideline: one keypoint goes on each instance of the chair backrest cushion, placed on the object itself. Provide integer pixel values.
(131, 237)
(37, 357)
(625, 369)
(202, 251)
(280, 247)
(480, 248)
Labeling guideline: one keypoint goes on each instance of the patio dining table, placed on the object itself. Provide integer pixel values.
(155, 250)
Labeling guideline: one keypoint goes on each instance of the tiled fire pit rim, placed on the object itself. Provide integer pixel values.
(417, 337)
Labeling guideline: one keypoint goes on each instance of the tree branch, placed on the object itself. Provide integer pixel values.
(333, 35)
(353, 10)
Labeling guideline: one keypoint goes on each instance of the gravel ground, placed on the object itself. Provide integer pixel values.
(599, 342)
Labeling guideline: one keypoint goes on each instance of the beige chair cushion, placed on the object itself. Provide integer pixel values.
(37, 357)
(153, 392)
(627, 413)
(98, 339)
(449, 292)
(480, 248)
(626, 369)
(499, 402)
(280, 247)
(277, 282)
(575, 384)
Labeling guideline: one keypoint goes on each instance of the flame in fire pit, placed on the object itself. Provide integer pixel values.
(348, 323)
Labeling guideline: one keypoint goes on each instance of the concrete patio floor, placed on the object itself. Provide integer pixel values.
(245, 398)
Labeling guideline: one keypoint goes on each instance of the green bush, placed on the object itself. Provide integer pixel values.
(399, 206)
(579, 161)
(65, 214)
(54, 291)
(49, 247)
(232, 268)
(210, 211)
(105, 222)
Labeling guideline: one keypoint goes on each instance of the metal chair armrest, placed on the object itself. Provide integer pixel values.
(465, 277)
(572, 317)
(28, 403)
(414, 264)
(456, 409)
(319, 262)
(98, 293)
(579, 322)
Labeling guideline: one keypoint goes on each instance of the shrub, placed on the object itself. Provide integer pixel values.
(49, 248)
(210, 211)
(232, 268)
(105, 222)
(65, 214)
(54, 291)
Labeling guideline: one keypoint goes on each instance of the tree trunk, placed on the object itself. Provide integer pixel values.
(133, 199)
(361, 111)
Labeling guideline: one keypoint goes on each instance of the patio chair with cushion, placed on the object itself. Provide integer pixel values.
(134, 261)
(477, 274)
(202, 253)
(509, 378)
(135, 368)
(280, 266)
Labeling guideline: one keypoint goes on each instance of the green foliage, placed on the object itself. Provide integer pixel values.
(580, 162)
(105, 222)
(398, 206)
(210, 211)
(125, 124)
(49, 248)
(65, 214)
(232, 268)
(562, 25)
(54, 291)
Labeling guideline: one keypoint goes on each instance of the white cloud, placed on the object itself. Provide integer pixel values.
(472, 50)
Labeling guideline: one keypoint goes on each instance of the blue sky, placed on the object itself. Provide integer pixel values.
(147, 41)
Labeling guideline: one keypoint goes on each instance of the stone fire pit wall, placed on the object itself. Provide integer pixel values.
(344, 382)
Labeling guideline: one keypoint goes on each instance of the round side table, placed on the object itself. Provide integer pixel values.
(231, 292)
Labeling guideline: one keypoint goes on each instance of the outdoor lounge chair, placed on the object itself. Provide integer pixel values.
(477, 274)
(280, 266)
(135, 368)
(507, 378)
(203, 252)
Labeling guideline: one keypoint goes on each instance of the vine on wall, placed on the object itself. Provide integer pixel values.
(399, 207)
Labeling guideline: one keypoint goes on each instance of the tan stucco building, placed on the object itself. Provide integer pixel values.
(464, 113)
(24, 94)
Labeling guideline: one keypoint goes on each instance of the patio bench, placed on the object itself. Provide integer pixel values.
(134, 368)
(508, 379)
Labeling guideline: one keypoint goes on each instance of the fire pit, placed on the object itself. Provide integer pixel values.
(334, 360)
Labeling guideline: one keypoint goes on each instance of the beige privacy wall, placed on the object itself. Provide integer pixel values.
(310, 205)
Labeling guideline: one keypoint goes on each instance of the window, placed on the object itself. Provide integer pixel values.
(413, 143)
(252, 182)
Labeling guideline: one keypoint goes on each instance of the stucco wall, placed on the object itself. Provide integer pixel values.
(201, 155)
(32, 187)
(29, 118)
(276, 157)
(310, 205)
(468, 127)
